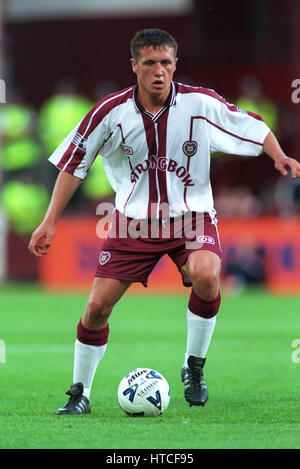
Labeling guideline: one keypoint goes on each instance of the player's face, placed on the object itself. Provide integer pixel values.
(154, 69)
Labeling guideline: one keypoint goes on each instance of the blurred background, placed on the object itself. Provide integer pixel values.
(58, 58)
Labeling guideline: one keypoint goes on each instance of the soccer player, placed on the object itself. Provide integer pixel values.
(155, 139)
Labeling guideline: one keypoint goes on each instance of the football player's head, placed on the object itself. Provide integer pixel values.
(155, 38)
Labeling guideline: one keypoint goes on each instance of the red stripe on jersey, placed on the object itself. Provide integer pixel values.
(184, 89)
(152, 152)
(230, 133)
(70, 159)
(226, 131)
(67, 155)
(162, 151)
(256, 116)
(103, 108)
(131, 192)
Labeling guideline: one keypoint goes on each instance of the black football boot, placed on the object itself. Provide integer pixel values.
(77, 403)
(195, 390)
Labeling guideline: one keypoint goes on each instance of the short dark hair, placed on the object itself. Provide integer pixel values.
(152, 37)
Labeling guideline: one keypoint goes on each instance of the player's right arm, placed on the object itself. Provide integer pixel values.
(65, 186)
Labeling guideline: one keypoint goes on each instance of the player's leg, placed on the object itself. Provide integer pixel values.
(203, 269)
(93, 329)
(105, 293)
(91, 341)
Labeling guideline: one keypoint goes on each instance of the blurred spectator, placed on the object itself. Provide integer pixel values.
(243, 266)
(23, 200)
(252, 99)
(237, 202)
(287, 197)
(20, 148)
(103, 88)
(58, 116)
(61, 113)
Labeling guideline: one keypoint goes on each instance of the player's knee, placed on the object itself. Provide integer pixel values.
(97, 311)
(203, 269)
(206, 284)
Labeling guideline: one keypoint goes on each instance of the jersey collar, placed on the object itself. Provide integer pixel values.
(171, 100)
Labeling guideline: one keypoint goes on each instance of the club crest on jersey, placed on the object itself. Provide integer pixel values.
(190, 147)
(127, 150)
(80, 141)
(104, 257)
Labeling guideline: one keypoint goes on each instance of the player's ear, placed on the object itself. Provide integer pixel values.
(175, 65)
(133, 65)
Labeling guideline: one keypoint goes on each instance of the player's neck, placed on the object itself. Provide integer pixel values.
(152, 103)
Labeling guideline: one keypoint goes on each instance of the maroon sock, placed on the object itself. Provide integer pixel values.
(92, 337)
(206, 309)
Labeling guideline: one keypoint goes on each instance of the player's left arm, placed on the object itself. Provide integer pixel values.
(281, 162)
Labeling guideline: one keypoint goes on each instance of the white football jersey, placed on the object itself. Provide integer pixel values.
(162, 159)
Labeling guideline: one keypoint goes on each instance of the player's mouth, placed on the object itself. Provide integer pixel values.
(158, 83)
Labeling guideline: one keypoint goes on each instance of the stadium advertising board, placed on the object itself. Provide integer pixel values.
(71, 261)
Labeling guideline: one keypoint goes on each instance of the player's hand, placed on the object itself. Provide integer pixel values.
(41, 239)
(285, 165)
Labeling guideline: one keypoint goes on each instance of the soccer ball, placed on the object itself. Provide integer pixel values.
(143, 392)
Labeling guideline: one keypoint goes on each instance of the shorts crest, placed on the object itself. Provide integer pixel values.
(104, 257)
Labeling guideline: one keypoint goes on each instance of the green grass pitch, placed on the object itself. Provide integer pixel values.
(252, 380)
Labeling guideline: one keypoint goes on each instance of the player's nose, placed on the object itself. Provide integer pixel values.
(158, 70)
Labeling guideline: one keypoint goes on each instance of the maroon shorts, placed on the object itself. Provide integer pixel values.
(133, 247)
